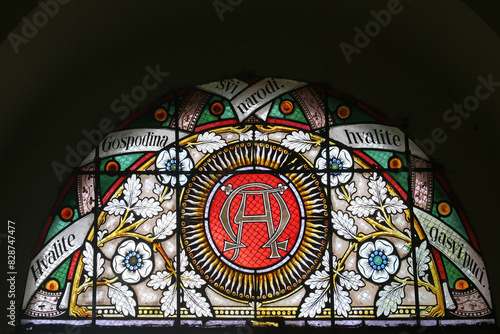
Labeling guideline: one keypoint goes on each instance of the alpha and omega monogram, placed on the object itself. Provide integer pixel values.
(240, 217)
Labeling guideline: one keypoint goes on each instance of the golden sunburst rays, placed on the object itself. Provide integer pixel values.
(315, 202)
(246, 284)
(196, 194)
(229, 158)
(248, 154)
(271, 156)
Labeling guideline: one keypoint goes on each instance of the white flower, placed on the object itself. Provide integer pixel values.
(377, 261)
(339, 159)
(167, 161)
(133, 261)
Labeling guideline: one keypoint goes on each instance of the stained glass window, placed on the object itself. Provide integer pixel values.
(264, 200)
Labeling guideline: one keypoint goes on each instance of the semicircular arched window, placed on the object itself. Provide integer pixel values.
(264, 200)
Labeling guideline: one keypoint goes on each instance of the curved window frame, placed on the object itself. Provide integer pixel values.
(167, 174)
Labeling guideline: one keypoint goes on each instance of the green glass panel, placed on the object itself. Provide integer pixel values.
(62, 272)
(296, 115)
(170, 108)
(125, 160)
(107, 181)
(357, 115)
(207, 117)
(381, 157)
(401, 178)
(57, 225)
(453, 219)
(452, 272)
(401, 156)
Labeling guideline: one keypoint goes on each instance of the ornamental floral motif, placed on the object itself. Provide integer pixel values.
(189, 282)
(133, 261)
(320, 282)
(376, 260)
(336, 160)
(167, 162)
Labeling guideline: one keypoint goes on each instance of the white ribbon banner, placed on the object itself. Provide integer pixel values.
(374, 136)
(134, 141)
(246, 98)
(59, 248)
(228, 88)
(456, 249)
(259, 94)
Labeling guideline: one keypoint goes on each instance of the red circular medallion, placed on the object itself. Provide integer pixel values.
(254, 220)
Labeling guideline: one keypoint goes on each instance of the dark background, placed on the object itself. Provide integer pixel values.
(64, 79)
